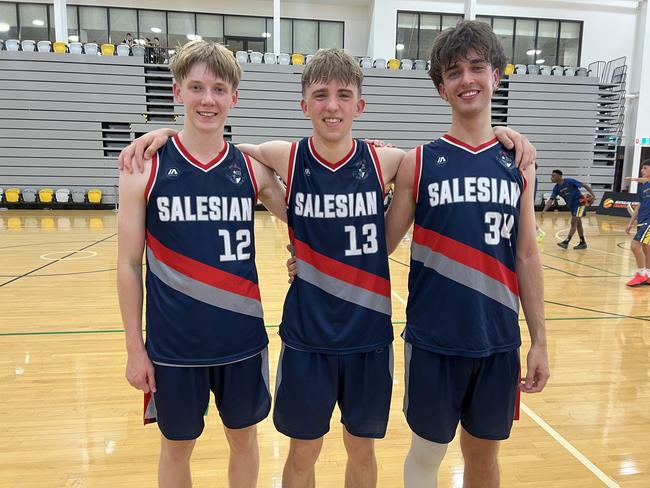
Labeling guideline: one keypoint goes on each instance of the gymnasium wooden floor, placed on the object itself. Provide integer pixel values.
(69, 418)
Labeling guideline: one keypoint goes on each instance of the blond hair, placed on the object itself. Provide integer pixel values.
(217, 58)
(332, 65)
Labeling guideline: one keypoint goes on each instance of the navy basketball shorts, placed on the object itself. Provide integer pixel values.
(480, 393)
(241, 391)
(579, 211)
(308, 385)
(643, 233)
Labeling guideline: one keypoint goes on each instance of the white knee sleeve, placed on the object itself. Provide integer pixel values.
(422, 463)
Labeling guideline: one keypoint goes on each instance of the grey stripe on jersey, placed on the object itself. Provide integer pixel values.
(202, 292)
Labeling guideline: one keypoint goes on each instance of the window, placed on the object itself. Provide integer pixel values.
(429, 30)
(73, 23)
(33, 21)
(8, 21)
(181, 28)
(504, 30)
(407, 36)
(569, 45)
(546, 47)
(244, 26)
(122, 21)
(330, 35)
(210, 27)
(450, 21)
(93, 24)
(525, 31)
(152, 25)
(305, 38)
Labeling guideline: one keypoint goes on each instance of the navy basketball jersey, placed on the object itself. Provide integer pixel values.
(203, 300)
(463, 290)
(644, 210)
(339, 302)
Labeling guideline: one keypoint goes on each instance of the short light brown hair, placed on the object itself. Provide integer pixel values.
(217, 58)
(454, 43)
(332, 65)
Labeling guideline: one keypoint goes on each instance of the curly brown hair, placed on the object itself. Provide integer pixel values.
(454, 43)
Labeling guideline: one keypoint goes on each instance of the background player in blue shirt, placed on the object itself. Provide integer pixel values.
(641, 241)
(192, 208)
(473, 257)
(569, 190)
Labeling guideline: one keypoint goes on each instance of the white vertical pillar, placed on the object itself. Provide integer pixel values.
(470, 9)
(276, 27)
(60, 20)
(639, 85)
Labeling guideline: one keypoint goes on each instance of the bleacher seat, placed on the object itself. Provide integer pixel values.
(29, 195)
(533, 69)
(12, 44)
(27, 45)
(108, 49)
(91, 48)
(44, 46)
(60, 47)
(45, 195)
(75, 47)
(297, 59)
(12, 195)
(509, 69)
(2, 44)
(62, 195)
(420, 64)
(545, 69)
(241, 56)
(270, 58)
(569, 71)
(393, 63)
(308, 58)
(557, 70)
(520, 69)
(138, 50)
(379, 63)
(284, 59)
(78, 195)
(582, 72)
(256, 57)
(2, 194)
(407, 64)
(94, 195)
(365, 63)
(123, 50)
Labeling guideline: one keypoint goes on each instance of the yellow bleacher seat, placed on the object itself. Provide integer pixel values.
(510, 69)
(45, 195)
(94, 195)
(108, 49)
(393, 64)
(60, 47)
(12, 195)
(297, 59)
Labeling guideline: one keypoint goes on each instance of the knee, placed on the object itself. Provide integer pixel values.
(426, 454)
(360, 450)
(175, 452)
(242, 440)
(303, 454)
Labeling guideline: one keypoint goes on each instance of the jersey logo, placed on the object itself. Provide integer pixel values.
(505, 159)
(441, 161)
(234, 174)
(307, 172)
(172, 173)
(359, 170)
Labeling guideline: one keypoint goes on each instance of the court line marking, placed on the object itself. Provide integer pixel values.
(557, 236)
(545, 253)
(68, 257)
(607, 481)
(396, 295)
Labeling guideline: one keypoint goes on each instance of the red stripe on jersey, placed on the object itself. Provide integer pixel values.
(340, 271)
(152, 177)
(325, 162)
(292, 162)
(479, 148)
(215, 161)
(418, 173)
(375, 160)
(249, 165)
(468, 256)
(202, 272)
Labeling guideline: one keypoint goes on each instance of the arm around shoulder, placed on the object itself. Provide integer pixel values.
(401, 211)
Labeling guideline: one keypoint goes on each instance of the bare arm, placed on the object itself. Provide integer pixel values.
(389, 161)
(272, 154)
(634, 178)
(143, 148)
(633, 218)
(525, 152)
(588, 188)
(401, 211)
(271, 191)
(531, 290)
(130, 247)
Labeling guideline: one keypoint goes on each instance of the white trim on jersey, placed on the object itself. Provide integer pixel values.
(205, 167)
(419, 154)
(472, 150)
(292, 170)
(327, 164)
(377, 169)
(155, 164)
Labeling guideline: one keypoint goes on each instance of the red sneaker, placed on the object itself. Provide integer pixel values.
(637, 280)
